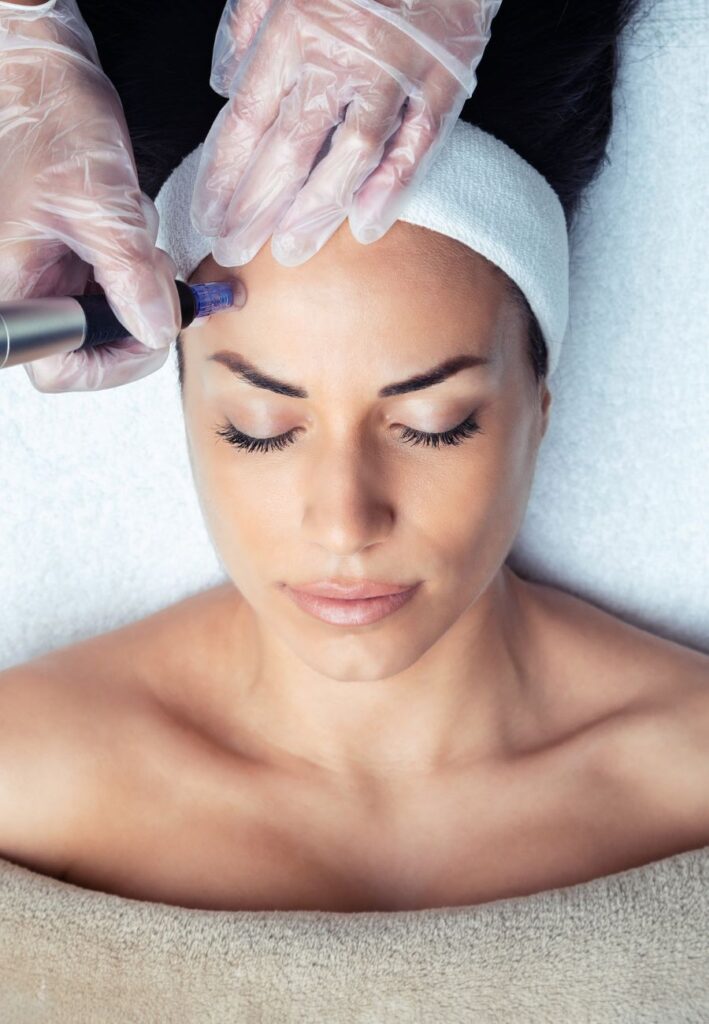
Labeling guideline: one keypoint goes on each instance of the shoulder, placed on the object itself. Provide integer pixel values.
(662, 751)
(612, 659)
(45, 763)
(648, 698)
(71, 748)
(79, 722)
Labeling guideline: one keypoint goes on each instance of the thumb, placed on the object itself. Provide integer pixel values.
(137, 277)
(144, 297)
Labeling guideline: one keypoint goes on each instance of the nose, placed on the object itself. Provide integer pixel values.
(348, 505)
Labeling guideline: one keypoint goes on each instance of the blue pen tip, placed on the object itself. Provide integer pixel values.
(210, 298)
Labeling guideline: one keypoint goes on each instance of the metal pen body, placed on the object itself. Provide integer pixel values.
(35, 328)
(38, 328)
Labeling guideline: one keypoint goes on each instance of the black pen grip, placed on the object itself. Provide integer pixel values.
(103, 326)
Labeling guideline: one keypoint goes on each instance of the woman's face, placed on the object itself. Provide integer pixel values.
(347, 495)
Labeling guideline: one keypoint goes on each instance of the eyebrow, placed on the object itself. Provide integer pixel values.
(242, 368)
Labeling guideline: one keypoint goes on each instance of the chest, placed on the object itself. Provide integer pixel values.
(194, 833)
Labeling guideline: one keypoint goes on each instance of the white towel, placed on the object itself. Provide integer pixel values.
(476, 189)
(101, 524)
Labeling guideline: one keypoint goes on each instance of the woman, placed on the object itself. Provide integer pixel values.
(492, 736)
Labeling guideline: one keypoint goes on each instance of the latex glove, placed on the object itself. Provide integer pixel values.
(71, 199)
(292, 69)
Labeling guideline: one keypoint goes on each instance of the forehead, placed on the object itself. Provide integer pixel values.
(410, 295)
(409, 264)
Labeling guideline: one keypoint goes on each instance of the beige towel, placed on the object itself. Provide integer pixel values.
(630, 947)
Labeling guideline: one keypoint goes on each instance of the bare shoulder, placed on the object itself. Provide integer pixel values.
(650, 696)
(621, 656)
(70, 722)
(44, 766)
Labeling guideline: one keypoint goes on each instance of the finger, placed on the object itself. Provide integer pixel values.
(236, 132)
(68, 276)
(279, 169)
(86, 194)
(79, 188)
(36, 267)
(96, 369)
(240, 21)
(428, 121)
(355, 150)
(113, 228)
(152, 217)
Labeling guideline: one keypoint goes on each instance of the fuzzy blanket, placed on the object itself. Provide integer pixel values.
(631, 948)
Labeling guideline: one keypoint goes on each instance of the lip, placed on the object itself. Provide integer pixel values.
(351, 590)
(350, 611)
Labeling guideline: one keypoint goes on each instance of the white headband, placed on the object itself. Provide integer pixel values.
(476, 190)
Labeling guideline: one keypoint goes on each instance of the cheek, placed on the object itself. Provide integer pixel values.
(233, 489)
(242, 501)
(470, 505)
(505, 481)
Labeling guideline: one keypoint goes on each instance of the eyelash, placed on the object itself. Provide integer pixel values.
(454, 436)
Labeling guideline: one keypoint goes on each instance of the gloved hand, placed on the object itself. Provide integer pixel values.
(71, 199)
(291, 70)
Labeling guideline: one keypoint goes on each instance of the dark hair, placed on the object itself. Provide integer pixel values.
(544, 86)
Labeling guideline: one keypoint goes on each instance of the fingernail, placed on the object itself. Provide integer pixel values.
(284, 246)
(290, 251)
(368, 234)
(228, 254)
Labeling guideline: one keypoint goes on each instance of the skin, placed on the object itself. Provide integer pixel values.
(493, 738)
(446, 680)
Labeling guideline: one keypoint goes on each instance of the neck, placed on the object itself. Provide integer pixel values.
(463, 700)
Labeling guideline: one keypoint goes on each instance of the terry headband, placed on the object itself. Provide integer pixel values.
(476, 190)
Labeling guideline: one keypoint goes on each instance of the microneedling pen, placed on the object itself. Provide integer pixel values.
(35, 328)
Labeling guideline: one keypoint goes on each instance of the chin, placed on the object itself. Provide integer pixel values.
(358, 657)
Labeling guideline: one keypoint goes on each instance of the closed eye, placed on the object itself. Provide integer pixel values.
(454, 436)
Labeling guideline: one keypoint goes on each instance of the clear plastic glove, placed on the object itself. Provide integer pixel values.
(71, 201)
(292, 69)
